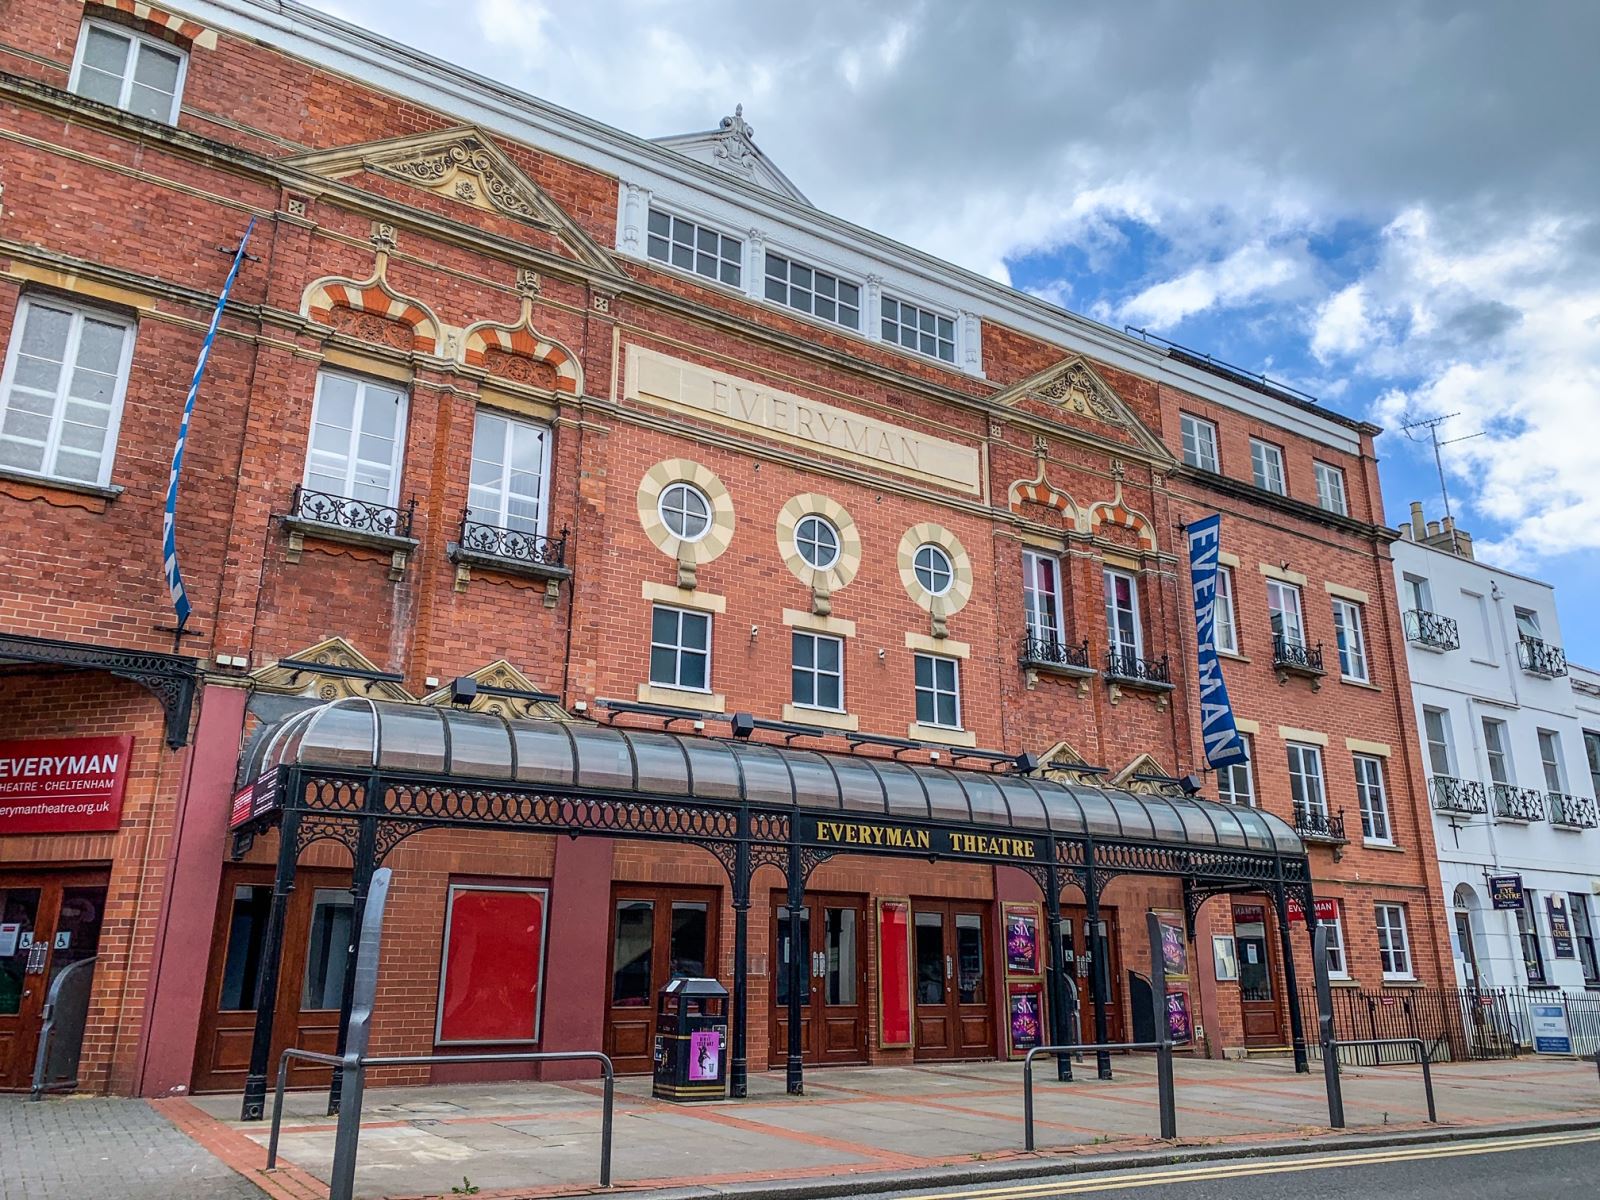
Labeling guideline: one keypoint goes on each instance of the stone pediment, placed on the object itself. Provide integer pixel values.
(464, 165)
(1073, 389)
(731, 148)
(504, 677)
(330, 670)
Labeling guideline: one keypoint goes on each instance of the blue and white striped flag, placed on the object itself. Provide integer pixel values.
(1218, 732)
(169, 524)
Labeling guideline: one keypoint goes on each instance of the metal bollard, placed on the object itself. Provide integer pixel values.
(1167, 1092)
(1027, 1103)
(1427, 1080)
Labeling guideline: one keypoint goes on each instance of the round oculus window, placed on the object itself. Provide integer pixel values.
(818, 541)
(685, 511)
(933, 569)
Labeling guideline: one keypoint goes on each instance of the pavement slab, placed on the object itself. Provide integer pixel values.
(527, 1141)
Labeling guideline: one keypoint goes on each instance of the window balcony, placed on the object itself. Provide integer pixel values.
(510, 552)
(1125, 667)
(1053, 655)
(1514, 803)
(1319, 825)
(355, 522)
(1573, 812)
(1431, 631)
(1452, 795)
(1541, 658)
(1296, 658)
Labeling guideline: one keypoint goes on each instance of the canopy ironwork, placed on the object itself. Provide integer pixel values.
(369, 773)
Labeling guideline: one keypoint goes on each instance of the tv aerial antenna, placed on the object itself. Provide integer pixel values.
(1431, 424)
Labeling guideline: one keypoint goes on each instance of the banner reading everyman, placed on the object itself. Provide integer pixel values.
(1223, 744)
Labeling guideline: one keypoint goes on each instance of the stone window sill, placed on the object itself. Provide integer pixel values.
(1386, 847)
(55, 484)
(822, 718)
(1360, 683)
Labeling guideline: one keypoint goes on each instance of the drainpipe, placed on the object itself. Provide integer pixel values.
(1508, 656)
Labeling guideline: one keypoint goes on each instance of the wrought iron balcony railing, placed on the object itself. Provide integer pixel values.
(1518, 803)
(1431, 631)
(1317, 825)
(1053, 652)
(1123, 666)
(1574, 812)
(1452, 795)
(357, 516)
(513, 545)
(1541, 658)
(1296, 656)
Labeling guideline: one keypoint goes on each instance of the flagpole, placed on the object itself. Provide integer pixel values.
(169, 522)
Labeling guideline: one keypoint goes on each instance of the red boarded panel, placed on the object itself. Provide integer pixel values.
(493, 965)
(894, 972)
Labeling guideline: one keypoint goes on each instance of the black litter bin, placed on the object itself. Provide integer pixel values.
(691, 1051)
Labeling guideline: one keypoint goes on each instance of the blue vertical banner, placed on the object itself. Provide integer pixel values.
(1223, 744)
(169, 521)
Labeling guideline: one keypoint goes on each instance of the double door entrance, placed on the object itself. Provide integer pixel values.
(954, 1011)
(1077, 953)
(833, 995)
(49, 921)
(317, 935)
(656, 933)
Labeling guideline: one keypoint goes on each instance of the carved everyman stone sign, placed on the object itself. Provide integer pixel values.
(810, 424)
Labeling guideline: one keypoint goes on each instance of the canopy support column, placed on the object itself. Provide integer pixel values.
(1100, 986)
(799, 972)
(255, 1083)
(366, 862)
(1060, 1033)
(738, 1067)
(1297, 1028)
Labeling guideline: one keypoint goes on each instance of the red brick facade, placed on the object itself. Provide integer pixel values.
(357, 268)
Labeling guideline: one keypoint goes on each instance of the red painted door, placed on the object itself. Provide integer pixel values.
(48, 921)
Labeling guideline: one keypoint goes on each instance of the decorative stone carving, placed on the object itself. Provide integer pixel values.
(528, 282)
(601, 303)
(1077, 390)
(296, 206)
(735, 151)
(384, 236)
(443, 169)
(339, 658)
(370, 327)
(519, 368)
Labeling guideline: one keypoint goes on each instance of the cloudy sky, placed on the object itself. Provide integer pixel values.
(1394, 207)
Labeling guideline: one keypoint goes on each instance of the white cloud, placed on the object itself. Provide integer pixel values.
(1342, 327)
(1244, 276)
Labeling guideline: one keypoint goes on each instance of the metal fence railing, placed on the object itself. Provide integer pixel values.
(1166, 1088)
(1456, 1024)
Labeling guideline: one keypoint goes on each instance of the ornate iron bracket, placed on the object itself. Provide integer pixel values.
(318, 827)
(171, 678)
(810, 859)
(390, 835)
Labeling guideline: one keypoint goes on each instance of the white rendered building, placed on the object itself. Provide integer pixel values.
(1511, 743)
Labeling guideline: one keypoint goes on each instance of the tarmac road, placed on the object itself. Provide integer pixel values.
(1564, 1166)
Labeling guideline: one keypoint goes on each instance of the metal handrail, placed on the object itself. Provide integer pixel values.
(359, 1065)
(1166, 1092)
(1330, 1064)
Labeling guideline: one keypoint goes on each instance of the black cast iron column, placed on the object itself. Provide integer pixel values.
(1297, 1028)
(1100, 982)
(738, 1067)
(255, 1083)
(799, 967)
(1060, 1033)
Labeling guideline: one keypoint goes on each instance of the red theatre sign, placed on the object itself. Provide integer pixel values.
(1327, 909)
(63, 785)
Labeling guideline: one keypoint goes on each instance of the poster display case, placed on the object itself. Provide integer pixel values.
(1024, 951)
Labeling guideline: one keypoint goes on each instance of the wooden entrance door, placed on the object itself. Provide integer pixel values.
(656, 933)
(317, 933)
(954, 1008)
(1078, 955)
(833, 1012)
(48, 921)
(1258, 998)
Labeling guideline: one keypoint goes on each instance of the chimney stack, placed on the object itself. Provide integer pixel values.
(1417, 533)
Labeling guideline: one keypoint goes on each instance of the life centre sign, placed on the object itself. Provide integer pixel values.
(659, 379)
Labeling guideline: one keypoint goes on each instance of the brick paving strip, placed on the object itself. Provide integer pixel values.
(879, 1127)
